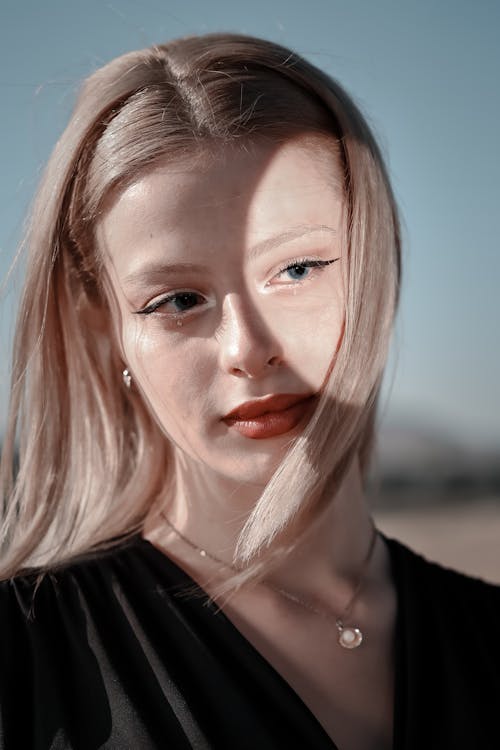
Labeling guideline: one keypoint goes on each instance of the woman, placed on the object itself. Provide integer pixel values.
(188, 557)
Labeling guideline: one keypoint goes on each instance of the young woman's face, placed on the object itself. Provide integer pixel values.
(229, 282)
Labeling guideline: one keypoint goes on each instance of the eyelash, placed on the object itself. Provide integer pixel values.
(299, 262)
(305, 263)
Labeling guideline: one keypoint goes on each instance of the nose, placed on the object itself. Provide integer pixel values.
(247, 347)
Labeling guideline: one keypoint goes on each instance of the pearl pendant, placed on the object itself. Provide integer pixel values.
(350, 637)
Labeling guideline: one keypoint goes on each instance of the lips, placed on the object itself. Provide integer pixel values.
(265, 405)
(270, 416)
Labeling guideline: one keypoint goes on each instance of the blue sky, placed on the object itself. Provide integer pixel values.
(426, 75)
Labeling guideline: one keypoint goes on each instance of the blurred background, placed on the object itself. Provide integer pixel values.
(426, 76)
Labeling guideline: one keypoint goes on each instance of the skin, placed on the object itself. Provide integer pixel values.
(249, 329)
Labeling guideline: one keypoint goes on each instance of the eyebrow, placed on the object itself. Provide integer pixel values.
(157, 269)
(291, 234)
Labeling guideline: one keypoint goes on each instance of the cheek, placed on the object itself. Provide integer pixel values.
(171, 370)
(310, 336)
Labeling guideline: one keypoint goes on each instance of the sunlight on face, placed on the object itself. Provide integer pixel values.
(228, 278)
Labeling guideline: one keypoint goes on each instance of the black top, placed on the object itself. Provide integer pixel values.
(108, 656)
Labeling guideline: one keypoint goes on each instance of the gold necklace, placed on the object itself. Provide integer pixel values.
(348, 636)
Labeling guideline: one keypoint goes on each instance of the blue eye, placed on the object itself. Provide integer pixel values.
(299, 271)
(181, 301)
(301, 268)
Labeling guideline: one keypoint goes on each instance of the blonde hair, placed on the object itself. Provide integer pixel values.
(93, 462)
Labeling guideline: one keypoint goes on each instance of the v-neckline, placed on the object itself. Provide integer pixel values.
(399, 702)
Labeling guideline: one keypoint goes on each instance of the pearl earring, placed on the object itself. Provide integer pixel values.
(127, 378)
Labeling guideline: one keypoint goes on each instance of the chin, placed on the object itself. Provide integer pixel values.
(250, 470)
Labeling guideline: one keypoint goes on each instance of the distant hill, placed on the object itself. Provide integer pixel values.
(416, 463)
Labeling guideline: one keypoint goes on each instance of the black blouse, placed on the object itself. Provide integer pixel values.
(108, 655)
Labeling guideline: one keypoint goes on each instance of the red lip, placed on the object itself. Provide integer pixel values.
(274, 403)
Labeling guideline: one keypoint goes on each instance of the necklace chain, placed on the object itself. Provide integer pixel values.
(348, 636)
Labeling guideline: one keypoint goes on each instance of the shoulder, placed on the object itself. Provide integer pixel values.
(71, 613)
(447, 655)
(440, 587)
(84, 639)
(27, 595)
(409, 562)
(95, 585)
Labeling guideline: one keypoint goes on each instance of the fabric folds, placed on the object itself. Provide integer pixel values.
(108, 655)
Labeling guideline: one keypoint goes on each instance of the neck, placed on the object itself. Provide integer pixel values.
(210, 511)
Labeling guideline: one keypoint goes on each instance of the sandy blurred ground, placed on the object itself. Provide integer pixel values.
(463, 536)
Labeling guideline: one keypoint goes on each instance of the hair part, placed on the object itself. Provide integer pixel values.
(93, 462)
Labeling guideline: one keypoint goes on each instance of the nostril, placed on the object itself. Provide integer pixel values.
(274, 361)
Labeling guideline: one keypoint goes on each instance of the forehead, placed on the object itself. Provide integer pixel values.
(235, 195)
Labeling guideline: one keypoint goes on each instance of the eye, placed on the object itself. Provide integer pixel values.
(179, 302)
(302, 268)
(299, 271)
